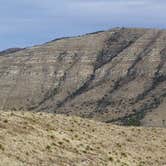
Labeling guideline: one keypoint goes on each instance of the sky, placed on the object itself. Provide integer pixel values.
(24, 23)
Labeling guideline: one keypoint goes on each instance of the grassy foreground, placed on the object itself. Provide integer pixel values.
(40, 139)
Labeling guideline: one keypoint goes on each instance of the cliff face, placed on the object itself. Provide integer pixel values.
(113, 76)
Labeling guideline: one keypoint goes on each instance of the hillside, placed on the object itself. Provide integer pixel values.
(42, 139)
(112, 76)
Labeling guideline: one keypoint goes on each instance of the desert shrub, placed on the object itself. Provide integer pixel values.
(1, 147)
(76, 136)
(133, 121)
(93, 130)
(71, 130)
(54, 144)
(84, 151)
(110, 158)
(60, 142)
(163, 122)
(124, 164)
(123, 154)
(52, 136)
(66, 140)
(27, 153)
(48, 147)
(5, 121)
(119, 145)
(129, 140)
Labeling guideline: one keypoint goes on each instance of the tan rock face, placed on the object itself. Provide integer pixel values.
(113, 76)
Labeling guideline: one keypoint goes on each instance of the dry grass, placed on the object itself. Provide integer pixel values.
(46, 139)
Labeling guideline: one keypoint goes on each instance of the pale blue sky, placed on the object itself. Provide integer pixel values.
(28, 22)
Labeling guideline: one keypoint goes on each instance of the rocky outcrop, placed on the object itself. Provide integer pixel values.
(113, 76)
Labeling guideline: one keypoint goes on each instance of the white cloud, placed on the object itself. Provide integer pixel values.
(115, 6)
(70, 17)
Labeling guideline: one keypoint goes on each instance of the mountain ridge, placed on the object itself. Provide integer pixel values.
(111, 76)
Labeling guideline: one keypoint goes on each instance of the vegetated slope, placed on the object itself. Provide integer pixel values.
(113, 76)
(38, 139)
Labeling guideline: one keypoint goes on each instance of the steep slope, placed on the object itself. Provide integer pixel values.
(44, 139)
(113, 76)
